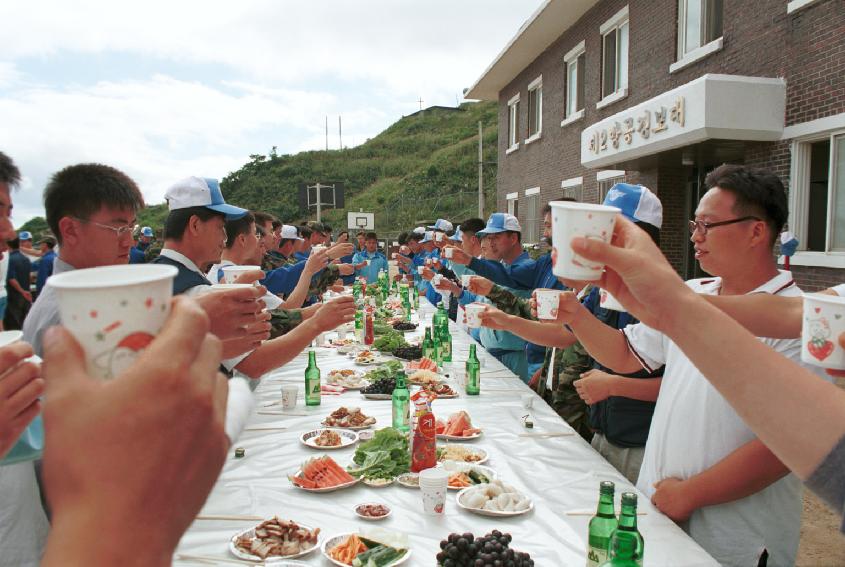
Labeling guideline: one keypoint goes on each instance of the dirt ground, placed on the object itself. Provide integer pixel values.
(821, 543)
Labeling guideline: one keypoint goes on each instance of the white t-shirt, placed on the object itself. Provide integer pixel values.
(4, 269)
(839, 289)
(694, 428)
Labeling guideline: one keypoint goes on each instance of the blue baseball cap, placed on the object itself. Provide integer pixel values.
(201, 192)
(429, 237)
(25, 235)
(500, 222)
(147, 231)
(458, 236)
(636, 202)
(442, 225)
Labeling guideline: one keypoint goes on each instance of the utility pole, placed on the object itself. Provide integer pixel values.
(480, 175)
(340, 132)
(327, 135)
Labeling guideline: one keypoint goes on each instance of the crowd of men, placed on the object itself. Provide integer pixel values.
(676, 393)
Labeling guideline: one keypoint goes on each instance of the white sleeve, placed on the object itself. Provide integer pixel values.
(839, 289)
(239, 406)
(647, 345)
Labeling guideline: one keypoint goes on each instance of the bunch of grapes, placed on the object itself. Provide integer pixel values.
(464, 550)
(382, 386)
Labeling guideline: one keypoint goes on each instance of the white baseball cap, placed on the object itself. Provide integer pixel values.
(289, 232)
(201, 192)
(419, 230)
(441, 224)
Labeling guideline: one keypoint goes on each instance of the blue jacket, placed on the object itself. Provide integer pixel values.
(45, 270)
(504, 340)
(283, 280)
(377, 263)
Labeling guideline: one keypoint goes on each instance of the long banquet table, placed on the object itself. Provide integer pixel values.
(561, 474)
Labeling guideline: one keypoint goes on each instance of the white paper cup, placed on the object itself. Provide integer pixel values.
(394, 255)
(228, 286)
(608, 301)
(289, 395)
(369, 261)
(438, 236)
(824, 321)
(9, 337)
(473, 313)
(404, 250)
(114, 311)
(317, 248)
(465, 280)
(448, 253)
(527, 401)
(231, 273)
(420, 270)
(437, 279)
(433, 487)
(579, 219)
(547, 303)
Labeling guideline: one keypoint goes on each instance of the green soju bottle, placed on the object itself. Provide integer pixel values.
(359, 324)
(445, 339)
(406, 307)
(628, 523)
(312, 381)
(416, 298)
(601, 527)
(622, 553)
(473, 370)
(356, 290)
(401, 405)
(428, 345)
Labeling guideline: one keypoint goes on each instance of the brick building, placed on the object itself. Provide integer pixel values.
(661, 92)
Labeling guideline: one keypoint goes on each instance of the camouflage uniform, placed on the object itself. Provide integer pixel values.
(152, 252)
(283, 321)
(324, 281)
(569, 363)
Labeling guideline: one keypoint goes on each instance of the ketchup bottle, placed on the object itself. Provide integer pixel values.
(368, 328)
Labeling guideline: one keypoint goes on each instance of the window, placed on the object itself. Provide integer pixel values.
(535, 108)
(531, 228)
(608, 179)
(573, 188)
(575, 61)
(614, 34)
(819, 184)
(699, 23)
(513, 204)
(513, 123)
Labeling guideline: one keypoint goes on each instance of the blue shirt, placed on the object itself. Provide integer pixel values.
(137, 254)
(350, 279)
(377, 263)
(505, 340)
(45, 270)
(302, 255)
(283, 280)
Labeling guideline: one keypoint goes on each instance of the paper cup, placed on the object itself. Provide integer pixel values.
(317, 248)
(231, 273)
(114, 311)
(394, 255)
(608, 301)
(9, 337)
(420, 270)
(527, 401)
(547, 302)
(433, 487)
(289, 395)
(473, 312)
(448, 253)
(437, 279)
(438, 236)
(579, 219)
(824, 321)
(465, 280)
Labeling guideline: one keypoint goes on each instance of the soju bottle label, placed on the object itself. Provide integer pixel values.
(597, 555)
(446, 351)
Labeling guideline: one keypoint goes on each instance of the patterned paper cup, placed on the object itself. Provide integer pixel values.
(434, 484)
(547, 302)
(579, 219)
(114, 311)
(473, 313)
(824, 321)
(231, 273)
(608, 301)
(448, 253)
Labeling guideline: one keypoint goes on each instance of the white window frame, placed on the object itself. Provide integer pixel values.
(687, 58)
(613, 25)
(571, 60)
(532, 223)
(513, 203)
(535, 85)
(608, 178)
(828, 129)
(795, 5)
(574, 185)
(513, 124)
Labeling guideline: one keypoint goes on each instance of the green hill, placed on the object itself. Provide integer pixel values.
(422, 167)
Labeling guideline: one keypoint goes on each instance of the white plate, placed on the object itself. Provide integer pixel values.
(378, 360)
(372, 518)
(376, 483)
(350, 428)
(402, 480)
(459, 437)
(334, 541)
(458, 466)
(352, 482)
(481, 461)
(347, 438)
(250, 557)
(377, 396)
(491, 513)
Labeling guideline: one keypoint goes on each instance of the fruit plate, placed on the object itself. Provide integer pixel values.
(459, 437)
(480, 453)
(347, 438)
(341, 486)
(334, 541)
(378, 396)
(491, 513)
(273, 558)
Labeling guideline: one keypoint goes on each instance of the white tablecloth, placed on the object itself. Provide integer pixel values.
(561, 475)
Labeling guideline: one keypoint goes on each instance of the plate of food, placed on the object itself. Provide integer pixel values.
(367, 358)
(274, 539)
(495, 499)
(367, 547)
(349, 418)
(463, 475)
(443, 391)
(381, 389)
(421, 364)
(424, 378)
(378, 482)
(348, 378)
(322, 474)
(372, 511)
(409, 480)
(461, 453)
(329, 438)
(457, 428)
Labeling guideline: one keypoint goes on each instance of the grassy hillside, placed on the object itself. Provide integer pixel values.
(422, 167)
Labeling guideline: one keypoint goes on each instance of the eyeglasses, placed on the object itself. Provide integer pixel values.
(703, 227)
(119, 231)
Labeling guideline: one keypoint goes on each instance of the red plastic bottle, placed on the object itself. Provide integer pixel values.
(368, 328)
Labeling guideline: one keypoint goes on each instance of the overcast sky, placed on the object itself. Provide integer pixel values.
(163, 90)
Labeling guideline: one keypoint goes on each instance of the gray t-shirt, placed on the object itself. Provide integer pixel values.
(45, 311)
(828, 480)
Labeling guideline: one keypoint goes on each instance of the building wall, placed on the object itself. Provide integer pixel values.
(807, 48)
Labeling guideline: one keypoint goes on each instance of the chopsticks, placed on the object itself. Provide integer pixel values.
(547, 435)
(295, 414)
(213, 560)
(229, 517)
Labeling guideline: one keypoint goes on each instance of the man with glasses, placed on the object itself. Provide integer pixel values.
(703, 467)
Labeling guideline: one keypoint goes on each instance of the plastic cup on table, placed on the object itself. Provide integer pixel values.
(570, 220)
(547, 303)
(608, 301)
(289, 394)
(231, 273)
(114, 312)
(473, 314)
(433, 488)
(823, 322)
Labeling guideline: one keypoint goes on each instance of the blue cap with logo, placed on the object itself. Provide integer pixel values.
(25, 235)
(429, 237)
(500, 222)
(441, 225)
(636, 202)
(201, 192)
(147, 231)
(458, 236)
